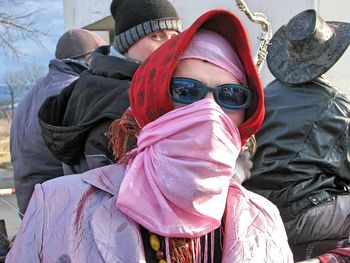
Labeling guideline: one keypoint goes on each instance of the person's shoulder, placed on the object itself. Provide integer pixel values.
(113, 66)
(66, 192)
(107, 179)
(345, 96)
(66, 182)
(278, 84)
(254, 202)
(258, 217)
(262, 202)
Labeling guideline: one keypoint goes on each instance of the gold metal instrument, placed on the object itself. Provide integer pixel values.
(265, 36)
(260, 57)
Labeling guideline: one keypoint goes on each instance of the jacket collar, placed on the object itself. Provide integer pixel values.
(107, 178)
(59, 65)
(109, 66)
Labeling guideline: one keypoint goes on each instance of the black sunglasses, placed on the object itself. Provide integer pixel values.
(229, 96)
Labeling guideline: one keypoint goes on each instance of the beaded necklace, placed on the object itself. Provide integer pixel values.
(182, 250)
(158, 247)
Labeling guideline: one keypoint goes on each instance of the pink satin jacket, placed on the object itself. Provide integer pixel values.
(74, 219)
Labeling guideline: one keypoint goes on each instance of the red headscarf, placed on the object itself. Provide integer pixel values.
(149, 91)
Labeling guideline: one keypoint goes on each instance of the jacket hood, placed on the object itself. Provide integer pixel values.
(61, 66)
(100, 93)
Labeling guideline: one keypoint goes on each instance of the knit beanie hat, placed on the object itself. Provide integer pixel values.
(76, 43)
(134, 19)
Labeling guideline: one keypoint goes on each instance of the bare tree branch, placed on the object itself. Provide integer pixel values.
(13, 86)
(32, 72)
(4, 110)
(17, 82)
(15, 27)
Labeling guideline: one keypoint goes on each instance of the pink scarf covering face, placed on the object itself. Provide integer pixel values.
(177, 185)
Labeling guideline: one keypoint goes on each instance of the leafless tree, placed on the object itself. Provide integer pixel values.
(32, 72)
(5, 110)
(14, 88)
(17, 24)
(18, 82)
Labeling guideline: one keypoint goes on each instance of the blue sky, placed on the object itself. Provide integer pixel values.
(50, 20)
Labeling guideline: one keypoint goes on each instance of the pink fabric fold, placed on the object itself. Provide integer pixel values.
(214, 48)
(177, 184)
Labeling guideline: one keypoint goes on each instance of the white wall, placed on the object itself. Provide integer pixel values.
(338, 11)
(68, 12)
(79, 13)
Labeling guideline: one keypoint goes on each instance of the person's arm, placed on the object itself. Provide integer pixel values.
(27, 246)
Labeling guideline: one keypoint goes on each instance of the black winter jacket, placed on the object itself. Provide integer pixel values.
(74, 123)
(303, 146)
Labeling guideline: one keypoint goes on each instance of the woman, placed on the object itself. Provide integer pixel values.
(194, 103)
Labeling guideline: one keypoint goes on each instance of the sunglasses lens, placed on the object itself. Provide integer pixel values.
(234, 96)
(184, 91)
(229, 96)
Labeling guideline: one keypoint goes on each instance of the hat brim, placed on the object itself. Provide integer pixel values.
(287, 69)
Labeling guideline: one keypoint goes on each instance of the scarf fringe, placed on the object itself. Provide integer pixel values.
(182, 250)
(188, 250)
(122, 137)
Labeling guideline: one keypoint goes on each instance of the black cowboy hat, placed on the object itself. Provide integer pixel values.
(306, 47)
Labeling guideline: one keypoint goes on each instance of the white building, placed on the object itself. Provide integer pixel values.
(95, 15)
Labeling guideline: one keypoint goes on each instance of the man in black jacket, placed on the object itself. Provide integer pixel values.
(302, 163)
(75, 123)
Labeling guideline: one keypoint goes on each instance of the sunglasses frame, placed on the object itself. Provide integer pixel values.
(203, 90)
